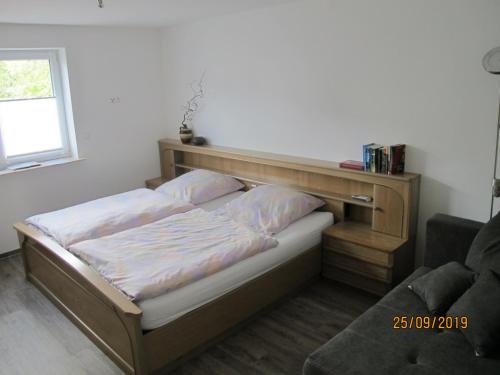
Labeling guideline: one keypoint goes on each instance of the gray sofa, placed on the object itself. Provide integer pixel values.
(371, 346)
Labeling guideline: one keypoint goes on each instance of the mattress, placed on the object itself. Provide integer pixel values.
(297, 238)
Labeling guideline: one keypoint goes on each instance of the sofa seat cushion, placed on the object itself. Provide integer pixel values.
(439, 353)
(370, 345)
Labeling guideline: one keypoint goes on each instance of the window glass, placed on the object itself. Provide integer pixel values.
(25, 79)
(30, 126)
(33, 103)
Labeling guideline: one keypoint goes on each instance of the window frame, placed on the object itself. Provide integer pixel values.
(60, 92)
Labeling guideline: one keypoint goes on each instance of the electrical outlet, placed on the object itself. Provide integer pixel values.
(114, 100)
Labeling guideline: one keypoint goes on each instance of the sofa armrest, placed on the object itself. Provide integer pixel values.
(448, 239)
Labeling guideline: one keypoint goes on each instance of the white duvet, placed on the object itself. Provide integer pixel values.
(168, 254)
(105, 216)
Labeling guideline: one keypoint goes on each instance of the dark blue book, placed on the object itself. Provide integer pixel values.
(372, 149)
(367, 156)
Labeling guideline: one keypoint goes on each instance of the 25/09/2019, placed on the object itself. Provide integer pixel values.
(429, 322)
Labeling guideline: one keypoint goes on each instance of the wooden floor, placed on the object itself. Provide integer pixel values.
(35, 338)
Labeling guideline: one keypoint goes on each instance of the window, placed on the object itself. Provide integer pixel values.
(34, 107)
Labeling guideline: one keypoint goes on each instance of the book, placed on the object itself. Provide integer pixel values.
(397, 159)
(378, 159)
(352, 164)
(382, 159)
(373, 157)
(366, 156)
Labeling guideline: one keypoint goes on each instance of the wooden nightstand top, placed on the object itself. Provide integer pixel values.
(153, 183)
(363, 235)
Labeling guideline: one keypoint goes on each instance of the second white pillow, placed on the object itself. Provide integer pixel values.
(271, 208)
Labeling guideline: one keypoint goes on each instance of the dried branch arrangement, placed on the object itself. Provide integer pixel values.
(193, 104)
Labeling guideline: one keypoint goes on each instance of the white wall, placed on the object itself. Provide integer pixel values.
(118, 140)
(319, 78)
(314, 78)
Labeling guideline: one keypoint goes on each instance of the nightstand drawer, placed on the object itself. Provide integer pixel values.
(373, 286)
(364, 253)
(332, 258)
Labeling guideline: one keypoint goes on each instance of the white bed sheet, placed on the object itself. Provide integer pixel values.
(298, 237)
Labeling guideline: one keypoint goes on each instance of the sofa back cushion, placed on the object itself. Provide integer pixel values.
(484, 252)
(479, 305)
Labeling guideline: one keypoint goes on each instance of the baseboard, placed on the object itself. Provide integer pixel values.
(10, 253)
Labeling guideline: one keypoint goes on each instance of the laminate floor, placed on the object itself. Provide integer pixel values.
(35, 338)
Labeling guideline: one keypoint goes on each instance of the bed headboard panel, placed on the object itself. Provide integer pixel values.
(395, 198)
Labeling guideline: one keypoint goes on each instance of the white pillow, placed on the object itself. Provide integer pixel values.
(199, 186)
(270, 208)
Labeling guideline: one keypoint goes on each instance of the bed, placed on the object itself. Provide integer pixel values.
(146, 337)
(138, 253)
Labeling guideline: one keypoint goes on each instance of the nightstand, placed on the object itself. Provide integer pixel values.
(355, 254)
(153, 183)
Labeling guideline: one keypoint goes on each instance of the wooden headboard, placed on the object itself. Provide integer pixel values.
(393, 210)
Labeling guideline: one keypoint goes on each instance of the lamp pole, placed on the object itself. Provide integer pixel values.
(495, 191)
(491, 63)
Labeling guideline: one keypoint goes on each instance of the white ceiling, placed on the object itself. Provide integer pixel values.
(121, 12)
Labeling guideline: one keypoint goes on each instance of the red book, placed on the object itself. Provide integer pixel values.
(352, 164)
(397, 159)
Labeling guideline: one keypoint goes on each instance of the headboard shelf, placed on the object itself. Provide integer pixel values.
(393, 210)
(313, 165)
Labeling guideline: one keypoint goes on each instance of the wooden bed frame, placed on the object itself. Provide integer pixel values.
(113, 322)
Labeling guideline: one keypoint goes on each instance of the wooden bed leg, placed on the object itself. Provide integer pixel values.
(21, 238)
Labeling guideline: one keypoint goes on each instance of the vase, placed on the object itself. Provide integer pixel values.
(186, 135)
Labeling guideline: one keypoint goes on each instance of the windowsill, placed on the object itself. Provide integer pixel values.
(45, 164)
